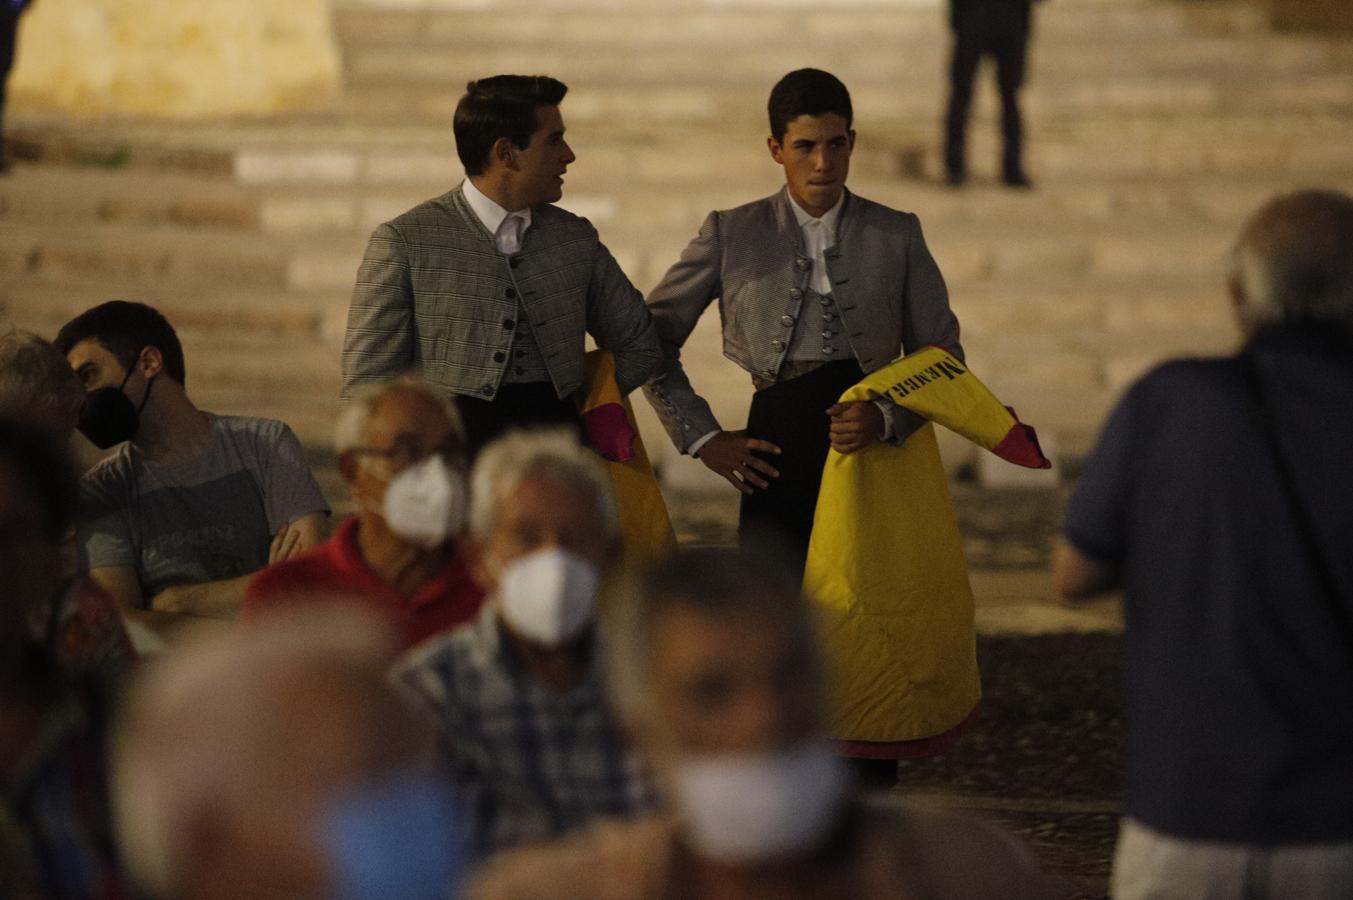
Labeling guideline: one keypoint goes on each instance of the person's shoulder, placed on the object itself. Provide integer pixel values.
(434, 210)
(960, 855)
(1181, 378)
(754, 212)
(466, 648)
(609, 860)
(110, 480)
(875, 215)
(268, 433)
(562, 224)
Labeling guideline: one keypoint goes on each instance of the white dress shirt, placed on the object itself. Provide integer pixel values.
(507, 228)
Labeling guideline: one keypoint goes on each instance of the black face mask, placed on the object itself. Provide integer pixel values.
(108, 417)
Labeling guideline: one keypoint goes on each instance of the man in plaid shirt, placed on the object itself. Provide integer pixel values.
(532, 744)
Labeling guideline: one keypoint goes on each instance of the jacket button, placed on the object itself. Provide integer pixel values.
(777, 345)
(828, 351)
(487, 390)
(519, 370)
(509, 324)
(829, 334)
(802, 263)
(787, 321)
(795, 293)
(825, 301)
(828, 315)
(512, 293)
(499, 356)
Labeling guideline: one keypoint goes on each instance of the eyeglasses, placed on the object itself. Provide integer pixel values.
(405, 450)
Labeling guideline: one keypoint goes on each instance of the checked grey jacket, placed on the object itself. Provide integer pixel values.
(435, 295)
(887, 288)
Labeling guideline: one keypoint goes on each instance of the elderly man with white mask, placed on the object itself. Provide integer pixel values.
(716, 666)
(533, 746)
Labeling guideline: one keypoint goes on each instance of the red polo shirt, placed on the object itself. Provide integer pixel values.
(336, 569)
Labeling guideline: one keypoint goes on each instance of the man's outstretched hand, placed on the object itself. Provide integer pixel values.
(733, 455)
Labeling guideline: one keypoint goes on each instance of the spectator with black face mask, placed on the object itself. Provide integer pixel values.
(178, 518)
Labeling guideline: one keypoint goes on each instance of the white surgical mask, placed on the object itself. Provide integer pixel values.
(755, 807)
(549, 596)
(425, 503)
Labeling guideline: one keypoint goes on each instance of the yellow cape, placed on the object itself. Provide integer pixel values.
(885, 562)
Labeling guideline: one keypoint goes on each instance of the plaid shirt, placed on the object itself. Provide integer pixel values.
(528, 763)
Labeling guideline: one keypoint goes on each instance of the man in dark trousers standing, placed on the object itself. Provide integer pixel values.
(999, 29)
(10, 10)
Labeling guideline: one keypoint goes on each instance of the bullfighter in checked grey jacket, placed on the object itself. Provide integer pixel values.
(487, 290)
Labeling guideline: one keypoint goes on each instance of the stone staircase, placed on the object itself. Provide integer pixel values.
(1155, 128)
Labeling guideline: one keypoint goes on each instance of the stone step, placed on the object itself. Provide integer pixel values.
(787, 25)
(629, 155)
(921, 60)
(44, 304)
(175, 259)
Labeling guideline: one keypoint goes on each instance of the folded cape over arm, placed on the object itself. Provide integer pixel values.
(886, 563)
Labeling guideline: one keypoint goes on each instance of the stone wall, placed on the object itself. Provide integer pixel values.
(176, 59)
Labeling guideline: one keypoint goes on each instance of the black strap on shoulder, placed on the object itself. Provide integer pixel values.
(1306, 533)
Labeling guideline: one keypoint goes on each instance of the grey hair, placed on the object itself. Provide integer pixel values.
(37, 385)
(1294, 261)
(714, 581)
(353, 418)
(555, 453)
(189, 744)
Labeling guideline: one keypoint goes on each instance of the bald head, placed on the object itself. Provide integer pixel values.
(238, 745)
(1294, 262)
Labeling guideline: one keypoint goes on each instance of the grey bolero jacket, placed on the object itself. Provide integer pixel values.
(887, 288)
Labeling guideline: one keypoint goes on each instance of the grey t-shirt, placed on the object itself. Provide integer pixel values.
(204, 520)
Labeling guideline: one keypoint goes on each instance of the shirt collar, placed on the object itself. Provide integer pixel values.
(488, 211)
(828, 218)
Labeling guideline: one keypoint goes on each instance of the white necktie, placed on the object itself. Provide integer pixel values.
(508, 238)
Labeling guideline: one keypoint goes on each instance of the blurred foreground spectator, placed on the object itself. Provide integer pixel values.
(717, 669)
(533, 746)
(175, 522)
(55, 839)
(401, 452)
(78, 620)
(274, 760)
(1220, 499)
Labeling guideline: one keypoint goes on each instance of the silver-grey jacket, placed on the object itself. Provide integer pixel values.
(887, 288)
(435, 295)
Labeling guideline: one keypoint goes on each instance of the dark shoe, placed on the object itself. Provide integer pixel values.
(874, 774)
(955, 179)
(5, 167)
(1017, 180)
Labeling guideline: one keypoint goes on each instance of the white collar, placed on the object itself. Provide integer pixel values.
(488, 211)
(828, 218)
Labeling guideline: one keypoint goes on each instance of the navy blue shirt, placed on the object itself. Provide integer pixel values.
(1239, 677)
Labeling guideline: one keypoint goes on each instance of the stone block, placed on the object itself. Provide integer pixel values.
(269, 166)
(188, 59)
(308, 214)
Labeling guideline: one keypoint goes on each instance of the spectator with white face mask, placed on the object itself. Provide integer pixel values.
(717, 671)
(401, 452)
(532, 744)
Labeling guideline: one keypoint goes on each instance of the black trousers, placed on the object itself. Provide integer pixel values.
(532, 405)
(792, 414)
(999, 29)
